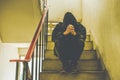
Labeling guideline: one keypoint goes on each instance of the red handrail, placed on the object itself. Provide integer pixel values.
(34, 40)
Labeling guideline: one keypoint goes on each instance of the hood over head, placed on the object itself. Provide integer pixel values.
(69, 19)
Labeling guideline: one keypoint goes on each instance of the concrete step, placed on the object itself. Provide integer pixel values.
(88, 45)
(83, 65)
(92, 75)
(87, 38)
(87, 54)
(52, 24)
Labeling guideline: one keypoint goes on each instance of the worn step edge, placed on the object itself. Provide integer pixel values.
(88, 45)
(52, 71)
(79, 59)
(91, 55)
(88, 38)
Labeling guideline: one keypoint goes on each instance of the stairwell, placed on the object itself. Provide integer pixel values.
(89, 64)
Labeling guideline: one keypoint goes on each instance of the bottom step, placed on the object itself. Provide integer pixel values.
(95, 75)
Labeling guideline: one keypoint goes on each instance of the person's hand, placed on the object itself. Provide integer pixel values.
(68, 30)
(72, 30)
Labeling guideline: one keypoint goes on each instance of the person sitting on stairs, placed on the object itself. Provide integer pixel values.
(69, 37)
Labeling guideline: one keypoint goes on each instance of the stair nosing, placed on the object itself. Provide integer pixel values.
(79, 59)
(52, 71)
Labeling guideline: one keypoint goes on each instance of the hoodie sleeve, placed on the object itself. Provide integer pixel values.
(57, 34)
(81, 32)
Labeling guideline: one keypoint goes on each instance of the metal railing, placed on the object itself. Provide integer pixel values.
(30, 67)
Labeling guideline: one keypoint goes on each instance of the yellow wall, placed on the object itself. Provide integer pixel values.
(0, 40)
(102, 17)
(18, 20)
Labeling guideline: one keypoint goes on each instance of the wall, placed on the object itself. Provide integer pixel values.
(18, 20)
(0, 40)
(57, 9)
(7, 69)
(102, 18)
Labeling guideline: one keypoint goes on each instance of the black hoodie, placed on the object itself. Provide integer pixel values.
(69, 45)
(69, 19)
(57, 33)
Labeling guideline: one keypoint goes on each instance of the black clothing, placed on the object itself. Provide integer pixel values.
(68, 43)
(69, 47)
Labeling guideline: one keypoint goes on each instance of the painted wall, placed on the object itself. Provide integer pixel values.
(18, 20)
(7, 69)
(0, 40)
(102, 17)
(57, 9)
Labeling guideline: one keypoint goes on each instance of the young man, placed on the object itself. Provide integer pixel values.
(69, 38)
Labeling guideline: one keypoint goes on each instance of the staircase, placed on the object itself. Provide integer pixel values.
(89, 64)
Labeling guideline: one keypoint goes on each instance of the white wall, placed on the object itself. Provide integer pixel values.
(57, 9)
(7, 69)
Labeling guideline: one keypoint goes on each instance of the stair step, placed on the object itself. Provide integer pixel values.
(88, 45)
(50, 37)
(83, 65)
(52, 24)
(87, 54)
(95, 75)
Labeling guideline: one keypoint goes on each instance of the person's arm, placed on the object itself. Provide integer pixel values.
(81, 32)
(70, 30)
(73, 32)
(57, 34)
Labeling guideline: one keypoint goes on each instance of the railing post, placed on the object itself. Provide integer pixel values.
(32, 66)
(17, 66)
(26, 70)
(36, 76)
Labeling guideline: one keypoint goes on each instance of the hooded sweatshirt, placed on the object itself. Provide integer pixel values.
(69, 45)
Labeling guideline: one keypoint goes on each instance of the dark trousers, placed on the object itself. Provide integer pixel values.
(69, 65)
(69, 56)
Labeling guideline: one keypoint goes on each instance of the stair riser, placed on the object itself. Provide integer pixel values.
(55, 65)
(85, 55)
(87, 38)
(80, 76)
(88, 45)
(52, 25)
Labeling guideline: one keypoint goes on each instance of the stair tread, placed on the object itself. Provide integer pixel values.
(91, 75)
(83, 65)
(85, 41)
(85, 55)
(88, 45)
(91, 72)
